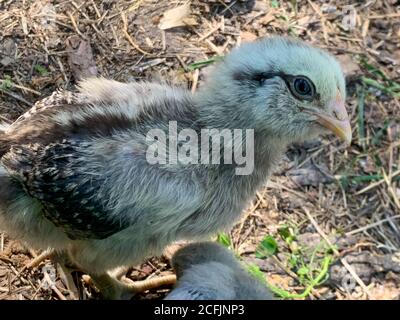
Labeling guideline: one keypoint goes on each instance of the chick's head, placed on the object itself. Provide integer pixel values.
(282, 86)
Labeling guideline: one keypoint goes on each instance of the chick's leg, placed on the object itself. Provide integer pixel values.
(35, 262)
(113, 289)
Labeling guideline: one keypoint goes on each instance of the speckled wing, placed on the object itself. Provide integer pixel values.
(51, 175)
(56, 99)
(31, 125)
(45, 149)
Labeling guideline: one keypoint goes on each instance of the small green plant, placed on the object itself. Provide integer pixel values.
(41, 70)
(6, 83)
(310, 267)
(315, 281)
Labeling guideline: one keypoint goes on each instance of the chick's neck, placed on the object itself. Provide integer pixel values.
(215, 111)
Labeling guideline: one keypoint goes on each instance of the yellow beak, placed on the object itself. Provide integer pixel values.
(337, 120)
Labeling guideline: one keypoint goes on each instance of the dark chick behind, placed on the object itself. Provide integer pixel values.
(208, 271)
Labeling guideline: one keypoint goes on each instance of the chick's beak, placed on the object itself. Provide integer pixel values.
(336, 119)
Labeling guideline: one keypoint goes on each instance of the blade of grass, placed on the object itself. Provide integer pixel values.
(374, 70)
(365, 178)
(203, 63)
(391, 90)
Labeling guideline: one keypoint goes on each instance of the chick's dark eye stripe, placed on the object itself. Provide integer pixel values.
(289, 80)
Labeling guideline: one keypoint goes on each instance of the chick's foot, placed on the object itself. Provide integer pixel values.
(125, 289)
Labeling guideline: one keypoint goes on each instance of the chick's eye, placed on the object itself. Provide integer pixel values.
(302, 88)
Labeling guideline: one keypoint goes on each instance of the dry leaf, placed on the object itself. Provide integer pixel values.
(349, 21)
(177, 17)
(248, 36)
(328, 8)
(366, 265)
(368, 164)
(349, 66)
(268, 18)
(80, 58)
(310, 176)
(24, 24)
(8, 50)
(388, 291)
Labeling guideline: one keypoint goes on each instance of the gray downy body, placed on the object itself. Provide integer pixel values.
(74, 175)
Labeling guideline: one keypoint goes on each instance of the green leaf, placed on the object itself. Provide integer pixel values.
(267, 247)
(275, 4)
(303, 271)
(224, 239)
(41, 70)
(293, 260)
(286, 234)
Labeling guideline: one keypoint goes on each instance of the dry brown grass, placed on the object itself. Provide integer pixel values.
(322, 190)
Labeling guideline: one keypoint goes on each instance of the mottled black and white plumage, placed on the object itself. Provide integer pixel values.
(74, 174)
(208, 271)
